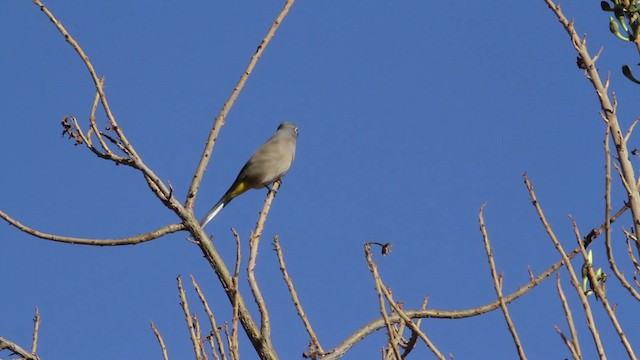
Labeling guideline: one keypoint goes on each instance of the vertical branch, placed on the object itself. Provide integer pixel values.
(574, 345)
(219, 121)
(609, 248)
(163, 347)
(597, 288)
(234, 345)
(196, 326)
(36, 330)
(609, 112)
(254, 242)
(497, 284)
(215, 331)
(295, 299)
(189, 319)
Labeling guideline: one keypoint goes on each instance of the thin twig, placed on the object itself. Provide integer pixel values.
(212, 320)
(195, 340)
(404, 316)
(629, 238)
(163, 347)
(36, 329)
(234, 345)
(221, 117)
(295, 298)
(94, 76)
(411, 343)
(391, 331)
(196, 327)
(567, 342)
(497, 284)
(567, 263)
(607, 197)
(254, 242)
(574, 345)
(597, 288)
(169, 229)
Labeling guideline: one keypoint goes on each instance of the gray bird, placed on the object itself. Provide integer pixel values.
(267, 165)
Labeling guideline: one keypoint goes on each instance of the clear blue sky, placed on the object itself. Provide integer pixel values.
(411, 115)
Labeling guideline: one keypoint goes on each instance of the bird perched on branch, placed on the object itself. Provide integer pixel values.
(267, 165)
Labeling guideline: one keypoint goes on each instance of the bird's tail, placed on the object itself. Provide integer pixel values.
(214, 211)
(236, 189)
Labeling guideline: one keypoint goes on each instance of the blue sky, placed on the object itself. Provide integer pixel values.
(411, 116)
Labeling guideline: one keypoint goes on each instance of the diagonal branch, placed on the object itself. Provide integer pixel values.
(16, 349)
(219, 121)
(497, 284)
(574, 344)
(317, 348)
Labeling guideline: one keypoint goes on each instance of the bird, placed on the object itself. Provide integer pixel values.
(267, 165)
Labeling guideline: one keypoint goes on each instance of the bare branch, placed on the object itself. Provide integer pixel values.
(405, 318)
(234, 345)
(627, 169)
(195, 340)
(391, 331)
(567, 342)
(567, 263)
(574, 345)
(597, 288)
(163, 347)
(221, 117)
(16, 349)
(36, 330)
(212, 320)
(607, 197)
(94, 76)
(95, 242)
(497, 284)
(296, 300)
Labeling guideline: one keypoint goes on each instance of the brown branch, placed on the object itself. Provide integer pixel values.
(196, 326)
(381, 288)
(212, 321)
(234, 345)
(567, 342)
(195, 340)
(612, 264)
(411, 343)
(163, 347)
(254, 242)
(92, 72)
(95, 242)
(72, 128)
(154, 182)
(296, 300)
(262, 346)
(574, 344)
(497, 284)
(221, 117)
(609, 111)
(391, 331)
(36, 330)
(567, 263)
(378, 324)
(16, 349)
(595, 286)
